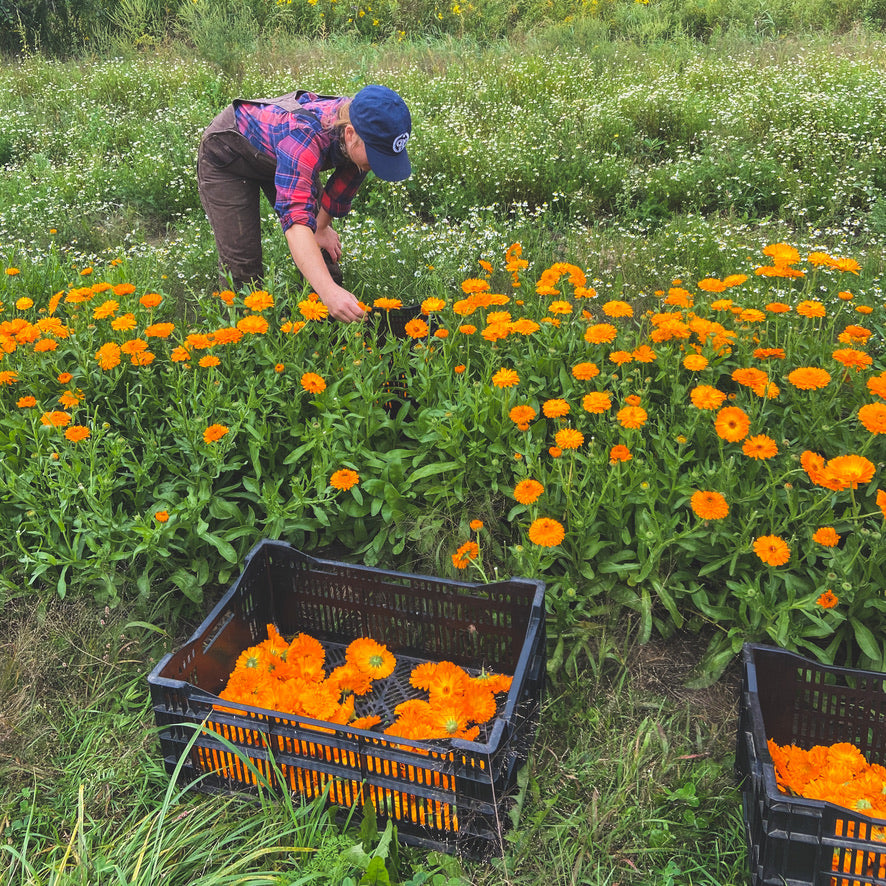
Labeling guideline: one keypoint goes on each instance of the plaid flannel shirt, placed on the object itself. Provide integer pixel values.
(303, 146)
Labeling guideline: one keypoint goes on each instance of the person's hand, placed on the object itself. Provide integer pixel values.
(342, 304)
(327, 238)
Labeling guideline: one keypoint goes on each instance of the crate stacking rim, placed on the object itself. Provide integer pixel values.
(794, 700)
(454, 795)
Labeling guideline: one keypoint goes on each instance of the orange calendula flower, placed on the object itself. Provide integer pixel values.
(873, 417)
(387, 304)
(253, 324)
(706, 397)
(811, 308)
(569, 438)
(370, 657)
(8, 376)
(585, 371)
(214, 432)
(344, 479)
(522, 415)
(620, 358)
(476, 525)
(826, 536)
(732, 424)
(643, 354)
(828, 600)
(709, 505)
(695, 362)
(617, 309)
(600, 333)
(851, 470)
(632, 417)
(55, 419)
(416, 328)
(555, 408)
(133, 346)
(313, 383)
(596, 402)
(528, 491)
(76, 433)
(876, 384)
(505, 378)
(546, 532)
(619, 453)
(772, 550)
(470, 550)
(25, 402)
(64, 377)
(809, 378)
(259, 300)
(209, 361)
(161, 516)
(123, 323)
(881, 501)
(852, 358)
(159, 330)
(458, 370)
(108, 355)
(313, 310)
(760, 447)
(104, 310)
(148, 300)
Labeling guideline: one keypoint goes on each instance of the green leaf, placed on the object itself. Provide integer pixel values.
(224, 548)
(866, 640)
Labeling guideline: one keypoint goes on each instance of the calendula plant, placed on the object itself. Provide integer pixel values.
(705, 456)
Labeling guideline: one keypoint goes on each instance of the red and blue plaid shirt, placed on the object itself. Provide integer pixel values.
(303, 146)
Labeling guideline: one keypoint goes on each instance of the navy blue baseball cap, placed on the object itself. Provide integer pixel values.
(381, 118)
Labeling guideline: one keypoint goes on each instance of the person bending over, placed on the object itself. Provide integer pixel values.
(280, 146)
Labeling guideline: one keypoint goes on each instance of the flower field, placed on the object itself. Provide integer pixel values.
(707, 455)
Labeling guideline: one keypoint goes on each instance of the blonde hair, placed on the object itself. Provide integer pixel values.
(342, 120)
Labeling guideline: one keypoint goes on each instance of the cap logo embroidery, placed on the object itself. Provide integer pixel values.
(400, 142)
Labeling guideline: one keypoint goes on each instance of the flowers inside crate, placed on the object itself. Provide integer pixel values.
(373, 655)
(810, 756)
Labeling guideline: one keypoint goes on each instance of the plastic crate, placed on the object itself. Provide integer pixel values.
(794, 700)
(450, 795)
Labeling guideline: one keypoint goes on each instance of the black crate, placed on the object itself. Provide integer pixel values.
(794, 700)
(453, 796)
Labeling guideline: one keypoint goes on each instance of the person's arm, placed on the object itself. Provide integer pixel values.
(326, 236)
(305, 250)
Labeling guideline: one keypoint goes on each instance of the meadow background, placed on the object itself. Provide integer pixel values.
(632, 150)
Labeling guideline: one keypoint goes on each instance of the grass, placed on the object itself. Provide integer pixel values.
(617, 142)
